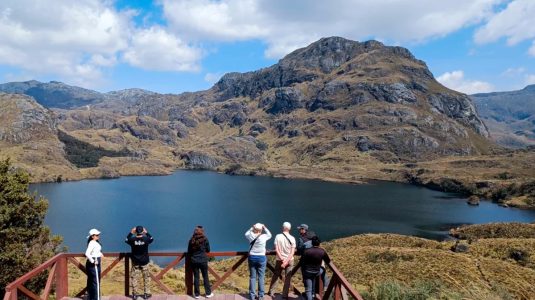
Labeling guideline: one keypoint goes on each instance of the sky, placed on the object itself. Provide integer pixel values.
(174, 46)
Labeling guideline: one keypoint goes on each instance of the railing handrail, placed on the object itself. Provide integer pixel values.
(34, 271)
(11, 289)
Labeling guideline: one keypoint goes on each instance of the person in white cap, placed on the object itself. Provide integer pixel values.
(257, 236)
(92, 265)
(285, 247)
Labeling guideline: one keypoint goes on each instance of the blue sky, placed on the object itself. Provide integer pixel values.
(172, 46)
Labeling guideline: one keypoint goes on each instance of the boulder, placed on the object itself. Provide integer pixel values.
(473, 200)
(199, 160)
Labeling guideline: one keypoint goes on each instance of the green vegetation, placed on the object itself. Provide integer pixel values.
(25, 241)
(85, 155)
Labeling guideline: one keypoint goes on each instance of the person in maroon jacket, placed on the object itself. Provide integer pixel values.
(311, 266)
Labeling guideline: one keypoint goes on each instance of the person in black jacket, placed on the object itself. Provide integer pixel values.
(311, 266)
(139, 240)
(198, 247)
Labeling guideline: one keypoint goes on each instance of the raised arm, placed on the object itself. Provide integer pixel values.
(249, 235)
(268, 233)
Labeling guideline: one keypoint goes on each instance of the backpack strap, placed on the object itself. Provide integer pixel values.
(287, 239)
(253, 242)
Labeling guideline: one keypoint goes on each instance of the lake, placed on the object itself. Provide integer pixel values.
(171, 206)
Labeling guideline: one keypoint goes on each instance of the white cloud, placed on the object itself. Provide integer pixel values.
(455, 80)
(529, 79)
(513, 72)
(70, 40)
(516, 23)
(77, 41)
(156, 49)
(212, 77)
(287, 25)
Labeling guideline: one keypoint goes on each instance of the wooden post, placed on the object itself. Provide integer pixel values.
(189, 277)
(14, 294)
(62, 278)
(319, 285)
(338, 292)
(127, 275)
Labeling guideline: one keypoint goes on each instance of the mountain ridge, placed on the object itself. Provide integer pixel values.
(510, 116)
(336, 110)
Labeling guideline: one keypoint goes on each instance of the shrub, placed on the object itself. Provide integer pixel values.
(25, 241)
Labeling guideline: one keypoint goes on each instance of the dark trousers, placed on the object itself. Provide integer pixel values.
(92, 285)
(203, 267)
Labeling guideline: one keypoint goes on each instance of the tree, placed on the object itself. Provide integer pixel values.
(24, 240)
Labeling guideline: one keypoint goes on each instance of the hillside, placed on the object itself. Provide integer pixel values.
(29, 136)
(510, 116)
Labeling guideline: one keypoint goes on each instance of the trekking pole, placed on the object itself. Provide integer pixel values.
(96, 276)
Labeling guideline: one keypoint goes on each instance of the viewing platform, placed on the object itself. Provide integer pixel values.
(58, 267)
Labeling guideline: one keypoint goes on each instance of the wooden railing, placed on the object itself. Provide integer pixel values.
(58, 269)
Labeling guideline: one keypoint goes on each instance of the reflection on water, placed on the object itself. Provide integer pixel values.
(170, 207)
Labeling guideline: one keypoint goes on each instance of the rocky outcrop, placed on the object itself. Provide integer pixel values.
(86, 119)
(22, 119)
(146, 128)
(199, 160)
(282, 100)
(460, 108)
(241, 149)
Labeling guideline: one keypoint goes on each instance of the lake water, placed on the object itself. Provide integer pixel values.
(170, 206)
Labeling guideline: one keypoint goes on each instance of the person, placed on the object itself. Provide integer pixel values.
(93, 253)
(305, 242)
(285, 247)
(305, 238)
(312, 260)
(198, 247)
(139, 240)
(257, 236)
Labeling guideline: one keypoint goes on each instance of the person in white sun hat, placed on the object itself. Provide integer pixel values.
(257, 236)
(92, 265)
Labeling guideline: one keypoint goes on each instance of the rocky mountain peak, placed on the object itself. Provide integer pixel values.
(329, 53)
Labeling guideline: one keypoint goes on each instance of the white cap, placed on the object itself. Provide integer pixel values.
(93, 232)
(287, 225)
(258, 226)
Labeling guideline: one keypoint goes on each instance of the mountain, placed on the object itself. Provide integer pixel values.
(54, 94)
(510, 116)
(339, 106)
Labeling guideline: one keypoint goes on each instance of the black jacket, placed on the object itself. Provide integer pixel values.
(140, 248)
(199, 255)
(312, 258)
